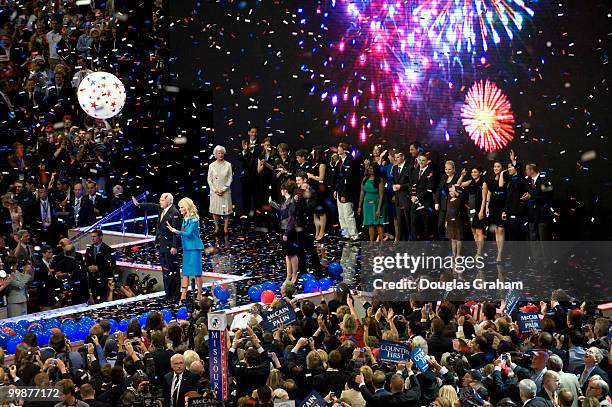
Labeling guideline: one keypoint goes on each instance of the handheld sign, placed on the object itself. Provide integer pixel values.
(313, 399)
(512, 298)
(528, 320)
(201, 402)
(420, 359)
(395, 352)
(279, 316)
(284, 403)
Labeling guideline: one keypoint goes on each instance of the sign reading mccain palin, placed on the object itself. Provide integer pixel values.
(279, 316)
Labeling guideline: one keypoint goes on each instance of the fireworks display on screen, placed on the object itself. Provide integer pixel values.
(487, 116)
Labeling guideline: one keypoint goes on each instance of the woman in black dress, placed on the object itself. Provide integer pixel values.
(495, 201)
(316, 179)
(450, 178)
(477, 190)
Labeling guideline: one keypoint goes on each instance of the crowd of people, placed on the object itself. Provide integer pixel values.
(335, 348)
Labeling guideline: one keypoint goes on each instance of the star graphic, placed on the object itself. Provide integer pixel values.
(93, 104)
(113, 103)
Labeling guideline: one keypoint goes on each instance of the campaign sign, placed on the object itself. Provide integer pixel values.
(217, 354)
(393, 352)
(528, 320)
(284, 403)
(279, 316)
(512, 298)
(201, 402)
(313, 399)
(420, 359)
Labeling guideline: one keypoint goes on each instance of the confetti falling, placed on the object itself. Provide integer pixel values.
(487, 116)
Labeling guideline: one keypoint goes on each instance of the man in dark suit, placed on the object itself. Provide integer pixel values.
(378, 398)
(422, 199)
(437, 344)
(344, 193)
(402, 174)
(528, 394)
(100, 263)
(538, 197)
(69, 269)
(49, 286)
(332, 379)
(167, 241)
(42, 216)
(81, 207)
(399, 397)
(178, 382)
(99, 201)
(592, 357)
(550, 387)
(161, 358)
(248, 176)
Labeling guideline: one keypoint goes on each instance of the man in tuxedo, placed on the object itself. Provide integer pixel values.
(97, 199)
(344, 193)
(248, 177)
(378, 398)
(42, 216)
(81, 207)
(539, 199)
(592, 357)
(49, 286)
(178, 382)
(402, 174)
(422, 199)
(100, 264)
(167, 241)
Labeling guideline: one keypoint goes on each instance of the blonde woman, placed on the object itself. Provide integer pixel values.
(192, 246)
(220, 182)
(16, 213)
(448, 392)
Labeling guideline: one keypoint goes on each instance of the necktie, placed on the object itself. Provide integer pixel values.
(45, 208)
(77, 209)
(95, 252)
(420, 174)
(175, 387)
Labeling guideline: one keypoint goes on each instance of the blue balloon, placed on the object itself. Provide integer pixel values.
(113, 325)
(123, 325)
(222, 294)
(334, 269)
(4, 338)
(182, 313)
(268, 285)
(325, 283)
(52, 323)
(311, 286)
(24, 324)
(308, 276)
(143, 318)
(12, 344)
(43, 337)
(255, 293)
(167, 315)
(82, 332)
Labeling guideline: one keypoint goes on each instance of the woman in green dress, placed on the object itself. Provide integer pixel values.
(372, 203)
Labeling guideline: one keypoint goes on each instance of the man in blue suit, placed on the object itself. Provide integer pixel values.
(592, 358)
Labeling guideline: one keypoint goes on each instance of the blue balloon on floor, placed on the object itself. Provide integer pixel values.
(52, 323)
(43, 337)
(182, 313)
(308, 276)
(222, 294)
(334, 269)
(311, 286)
(143, 319)
(82, 332)
(12, 344)
(268, 285)
(167, 315)
(113, 325)
(325, 283)
(123, 325)
(4, 338)
(255, 293)
(24, 324)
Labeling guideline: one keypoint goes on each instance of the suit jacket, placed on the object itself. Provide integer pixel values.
(248, 378)
(249, 161)
(538, 402)
(35, 215)
(378, 398)
(424, 186)
(538, 205)
(163, 236)
(437, 345)
(190, 235)
(330, 381)
(49, 287)
(86, 212)
(189, 382)
(513, 204)
(402, 197)
(161, 359)
(596, 371)
(344, 179)
(105, 261)
(17, 291)
(76, 277)
(570, 382)
(100, 203)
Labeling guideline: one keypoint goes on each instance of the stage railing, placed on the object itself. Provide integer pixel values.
(122, 216)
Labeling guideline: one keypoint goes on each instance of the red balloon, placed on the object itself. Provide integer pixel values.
(268, 296)
(135, 249)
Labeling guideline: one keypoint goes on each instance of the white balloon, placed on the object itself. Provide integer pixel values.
(101, 95)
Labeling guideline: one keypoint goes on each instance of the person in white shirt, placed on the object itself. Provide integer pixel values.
(53, 38)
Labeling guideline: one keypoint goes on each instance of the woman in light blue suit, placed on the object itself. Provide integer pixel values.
(192, 246)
